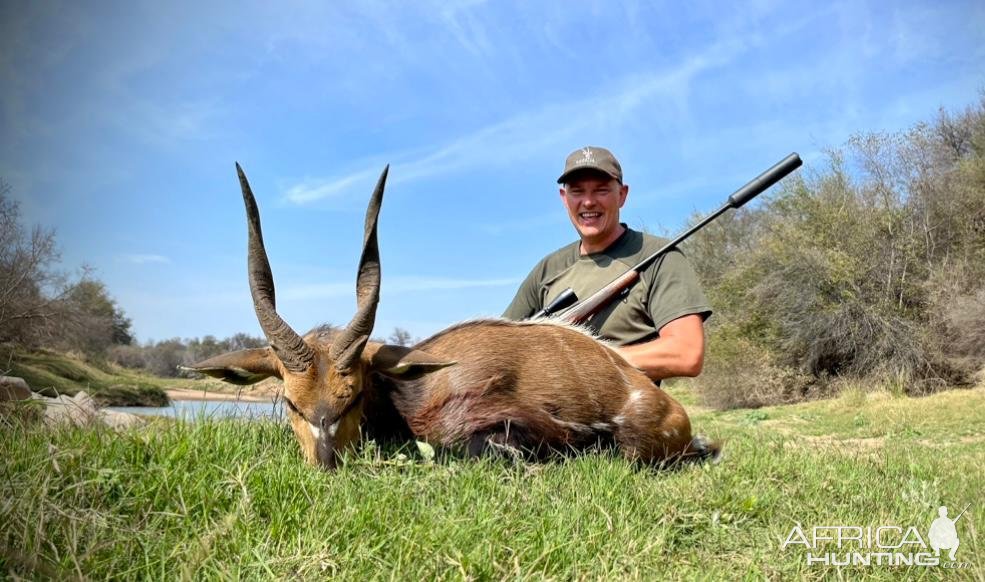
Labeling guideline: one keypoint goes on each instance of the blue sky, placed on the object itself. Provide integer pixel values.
(121, 122)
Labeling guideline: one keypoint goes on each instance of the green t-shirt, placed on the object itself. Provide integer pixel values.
(666, 290)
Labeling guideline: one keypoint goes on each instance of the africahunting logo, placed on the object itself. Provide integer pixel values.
(884, 545)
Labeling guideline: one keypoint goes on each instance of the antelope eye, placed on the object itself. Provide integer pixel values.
(290, 406)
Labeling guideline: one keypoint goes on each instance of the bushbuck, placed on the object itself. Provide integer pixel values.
(488, 384)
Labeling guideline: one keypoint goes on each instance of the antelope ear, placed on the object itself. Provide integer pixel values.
(241, 367)
(403, 363)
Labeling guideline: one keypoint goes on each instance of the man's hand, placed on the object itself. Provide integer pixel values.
(678, 351)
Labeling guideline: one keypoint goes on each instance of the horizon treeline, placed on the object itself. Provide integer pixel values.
(867, 267)
(162, 357)
(42, 307)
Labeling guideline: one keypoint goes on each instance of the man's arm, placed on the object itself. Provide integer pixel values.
(678, 351)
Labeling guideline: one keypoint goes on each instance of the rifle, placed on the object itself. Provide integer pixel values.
(962, 513)
(566, 306)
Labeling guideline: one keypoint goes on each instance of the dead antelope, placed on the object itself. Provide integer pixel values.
(487, 384)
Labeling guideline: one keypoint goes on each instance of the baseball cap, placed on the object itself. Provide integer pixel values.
(592, 158)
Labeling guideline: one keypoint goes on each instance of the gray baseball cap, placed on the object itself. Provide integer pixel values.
(592, 158)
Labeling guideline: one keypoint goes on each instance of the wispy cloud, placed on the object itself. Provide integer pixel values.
(532, 133)
(392, 286)
(143, 259)
(466, 26)
(313, 189)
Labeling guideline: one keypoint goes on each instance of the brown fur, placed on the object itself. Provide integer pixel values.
(550, 385)
(479, 385)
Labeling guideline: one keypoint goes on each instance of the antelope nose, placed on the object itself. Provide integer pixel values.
(325, 453)
(323, 417)
(328, 425)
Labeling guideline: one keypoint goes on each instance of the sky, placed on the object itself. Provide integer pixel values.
(120, 126)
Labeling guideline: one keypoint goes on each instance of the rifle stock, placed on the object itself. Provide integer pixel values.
(580, 312)
(583, 310)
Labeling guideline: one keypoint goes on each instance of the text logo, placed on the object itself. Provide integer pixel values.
(883, 545)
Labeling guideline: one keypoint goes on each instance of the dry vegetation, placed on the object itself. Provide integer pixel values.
(871, 267)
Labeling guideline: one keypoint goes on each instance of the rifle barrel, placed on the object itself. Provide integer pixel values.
(753, 188)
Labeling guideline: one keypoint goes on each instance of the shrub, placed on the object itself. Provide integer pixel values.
(871, 266)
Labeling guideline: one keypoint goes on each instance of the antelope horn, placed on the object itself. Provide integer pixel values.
(349, 344)
(296, 355)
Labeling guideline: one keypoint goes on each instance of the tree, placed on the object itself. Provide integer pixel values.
(164, 357)
(243, 341)
(25, 276)
(400, 337)
(88, 318)
(90, 301)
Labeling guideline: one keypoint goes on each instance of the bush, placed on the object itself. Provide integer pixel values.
(129, 356)
(872, 266)
(741, 374)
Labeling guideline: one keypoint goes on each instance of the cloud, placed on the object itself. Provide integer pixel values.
(310, 190)
(466, 27)
(143, 259)
(529, 134)
(392, 285)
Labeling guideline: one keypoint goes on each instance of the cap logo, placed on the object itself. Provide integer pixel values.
(587, 156)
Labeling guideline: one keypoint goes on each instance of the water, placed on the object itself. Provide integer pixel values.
(196, 409)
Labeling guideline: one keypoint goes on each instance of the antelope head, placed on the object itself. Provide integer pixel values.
(325, 377)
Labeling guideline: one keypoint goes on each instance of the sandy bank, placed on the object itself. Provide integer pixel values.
(185, 394)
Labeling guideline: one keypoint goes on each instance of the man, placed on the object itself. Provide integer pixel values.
(943, 534)
(658, 326)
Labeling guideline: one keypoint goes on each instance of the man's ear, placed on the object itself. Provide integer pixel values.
(403, 363)
(242, 367)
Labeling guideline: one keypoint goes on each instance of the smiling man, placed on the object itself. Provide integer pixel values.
(658, 325)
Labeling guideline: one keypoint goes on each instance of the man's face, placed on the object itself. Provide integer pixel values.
(593, 200)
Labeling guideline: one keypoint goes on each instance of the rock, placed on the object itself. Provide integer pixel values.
(120, 420)
(13, 388)
(79, 410)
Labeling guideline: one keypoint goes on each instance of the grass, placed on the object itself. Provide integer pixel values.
(52, 373)
(231, 499)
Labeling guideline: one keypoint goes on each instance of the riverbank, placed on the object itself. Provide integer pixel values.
(198, 395)
(52, 374)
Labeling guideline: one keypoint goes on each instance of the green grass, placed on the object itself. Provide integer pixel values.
(52, 373)
(231, 499)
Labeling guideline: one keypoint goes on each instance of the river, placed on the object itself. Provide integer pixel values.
(197, 409)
